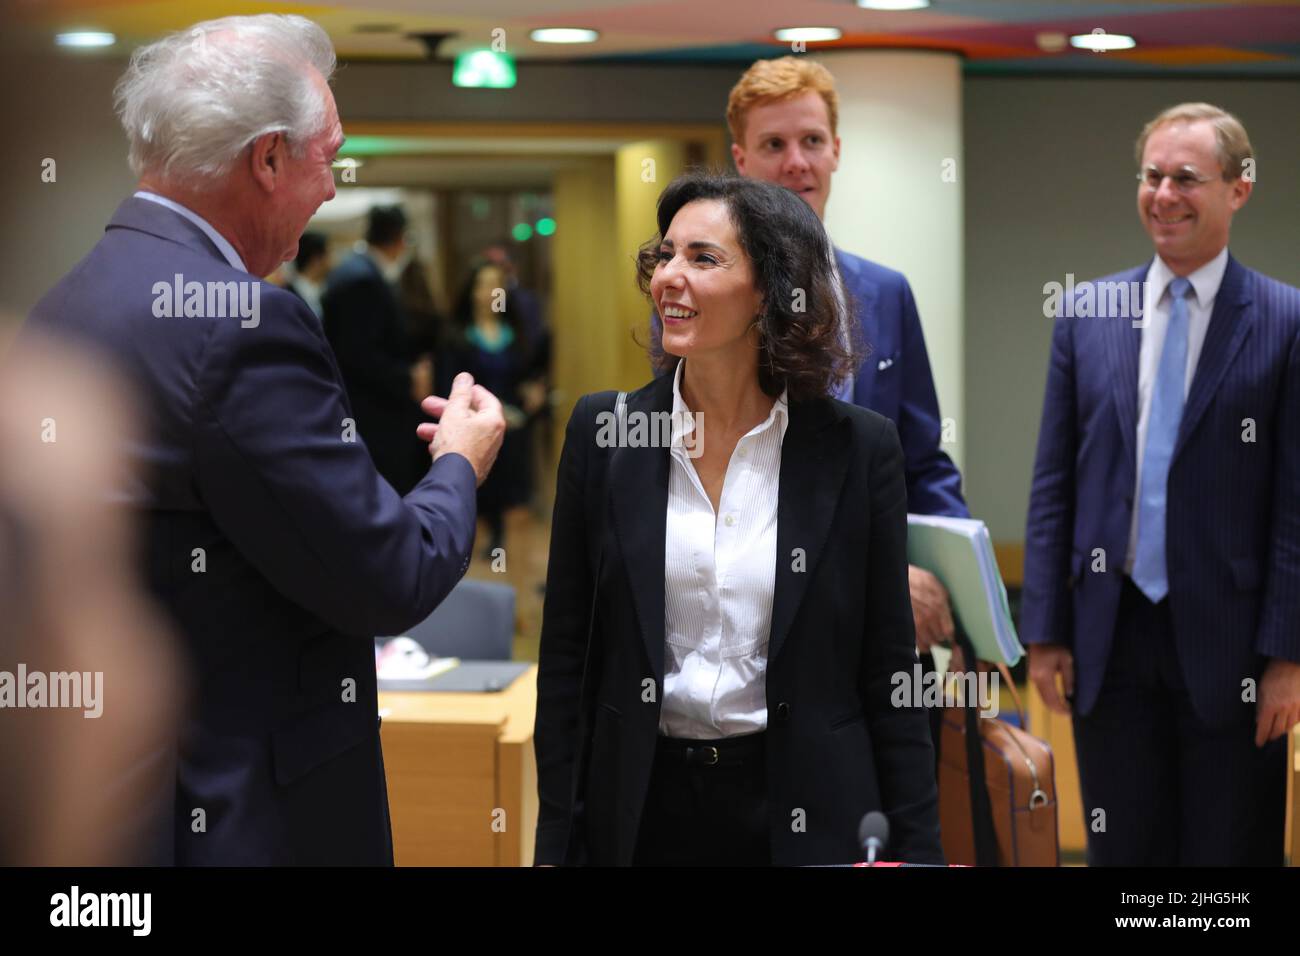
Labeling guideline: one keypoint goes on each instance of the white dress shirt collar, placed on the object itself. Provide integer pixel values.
(683, 422)
(223, 245)
(1205, 280)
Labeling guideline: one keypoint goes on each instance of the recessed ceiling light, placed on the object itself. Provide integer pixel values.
(564, 35)
(85, 38)
(1099, 41)
(893, 4)
(807, 34)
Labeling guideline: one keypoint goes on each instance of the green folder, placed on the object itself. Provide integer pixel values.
(959, 553)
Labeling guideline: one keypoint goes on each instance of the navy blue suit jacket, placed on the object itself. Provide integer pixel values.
(306, 552)
(895, 381)
(1233, 521)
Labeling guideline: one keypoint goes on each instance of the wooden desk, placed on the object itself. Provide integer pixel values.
(462, 778)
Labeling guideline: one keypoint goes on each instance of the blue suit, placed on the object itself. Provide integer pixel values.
(1232, 543)
(895, 381)
(273, 543)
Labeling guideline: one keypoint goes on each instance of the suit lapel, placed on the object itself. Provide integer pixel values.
(812, 474)
(1230, 323)
(862, 304)
(1124, 346)
(638, 481)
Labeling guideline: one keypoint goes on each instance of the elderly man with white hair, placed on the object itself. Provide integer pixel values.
(270, 538)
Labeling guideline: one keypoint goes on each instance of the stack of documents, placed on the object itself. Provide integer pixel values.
(959, 553)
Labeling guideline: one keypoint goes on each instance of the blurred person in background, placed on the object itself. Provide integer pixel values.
(310, 268)
(368, 328)
(488, 342)
(536, 389)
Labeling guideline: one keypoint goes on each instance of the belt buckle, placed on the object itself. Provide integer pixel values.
(713, 756)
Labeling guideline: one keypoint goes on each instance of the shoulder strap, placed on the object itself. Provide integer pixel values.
(986, 841)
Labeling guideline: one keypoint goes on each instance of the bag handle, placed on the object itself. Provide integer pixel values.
(1015, 694)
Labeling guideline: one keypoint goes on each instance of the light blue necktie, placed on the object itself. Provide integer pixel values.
(1150, 572)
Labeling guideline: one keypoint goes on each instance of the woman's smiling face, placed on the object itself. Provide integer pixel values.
(703, 284)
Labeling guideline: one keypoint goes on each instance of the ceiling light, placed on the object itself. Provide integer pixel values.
(807, 34)
(893, 4)
(1099, 41)
(85, 38)
(564, 35)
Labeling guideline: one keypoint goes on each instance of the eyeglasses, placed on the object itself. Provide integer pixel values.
(1185, 180)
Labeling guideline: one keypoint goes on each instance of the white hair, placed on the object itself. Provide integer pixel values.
(191, 102)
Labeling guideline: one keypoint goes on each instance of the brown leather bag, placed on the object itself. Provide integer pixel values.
(1011, 819)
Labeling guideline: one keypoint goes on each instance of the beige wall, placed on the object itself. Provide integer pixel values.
(64, 114)
(642, 170)
(584, 249)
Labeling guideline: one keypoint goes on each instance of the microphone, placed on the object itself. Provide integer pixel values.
(873, 835)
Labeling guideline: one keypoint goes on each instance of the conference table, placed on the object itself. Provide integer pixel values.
(462, 778)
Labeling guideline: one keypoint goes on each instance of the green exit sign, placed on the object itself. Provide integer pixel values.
(484, 68)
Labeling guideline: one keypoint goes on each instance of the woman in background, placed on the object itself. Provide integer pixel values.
(488, 342)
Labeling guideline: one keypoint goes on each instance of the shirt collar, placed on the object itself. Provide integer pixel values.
(683, 421)
(1205, 280)
(223, 245)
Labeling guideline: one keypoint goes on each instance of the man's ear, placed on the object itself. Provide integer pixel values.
(266, 159)
(738, 157)
(1240, 192)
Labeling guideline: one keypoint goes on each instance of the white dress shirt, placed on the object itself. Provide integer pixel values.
(719, 578)
(1200, 306)
(221, 242)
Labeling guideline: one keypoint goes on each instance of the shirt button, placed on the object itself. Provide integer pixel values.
(729, 520)
(741, 453)
(783, 711)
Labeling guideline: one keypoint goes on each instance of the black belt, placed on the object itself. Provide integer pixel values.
(723, 752)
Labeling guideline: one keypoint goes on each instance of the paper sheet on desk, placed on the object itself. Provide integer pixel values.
(401, 658)
(959, 552)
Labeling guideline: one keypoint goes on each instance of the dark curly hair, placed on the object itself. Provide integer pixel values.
(800, 350)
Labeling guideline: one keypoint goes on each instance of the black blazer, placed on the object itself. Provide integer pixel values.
(841, 628)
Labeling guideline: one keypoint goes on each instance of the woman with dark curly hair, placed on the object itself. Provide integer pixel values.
(727, 603)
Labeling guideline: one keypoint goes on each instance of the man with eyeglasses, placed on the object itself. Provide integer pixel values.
(1162, 564)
